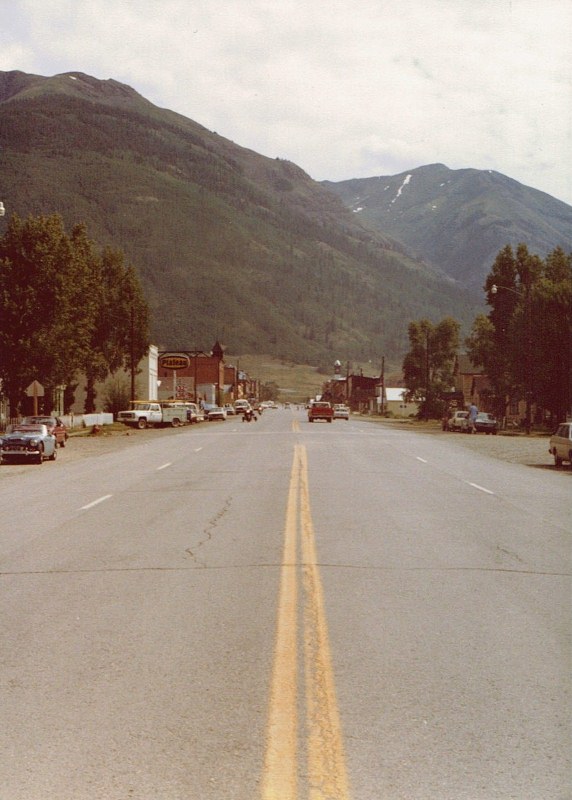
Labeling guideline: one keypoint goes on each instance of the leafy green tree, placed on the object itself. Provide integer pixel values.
(428, 366)
(551, 325)
(120, 331)
(45, 322)
(65, 308)
(524, 343)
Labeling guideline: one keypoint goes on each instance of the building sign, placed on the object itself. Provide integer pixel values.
(174, 361)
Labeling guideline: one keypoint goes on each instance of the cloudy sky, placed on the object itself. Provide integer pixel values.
(344, 88)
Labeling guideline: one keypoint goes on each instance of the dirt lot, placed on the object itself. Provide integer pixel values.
(513, 447)
(82, 444)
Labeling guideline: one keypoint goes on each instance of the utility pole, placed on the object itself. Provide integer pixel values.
(427, 376)
(382, 386)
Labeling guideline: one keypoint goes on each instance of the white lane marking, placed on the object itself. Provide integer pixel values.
(198, 449)
(164, 466)
(422, 460)
(96, 502)
(480, 488)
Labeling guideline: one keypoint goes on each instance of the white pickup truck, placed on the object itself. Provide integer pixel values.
(143, 414)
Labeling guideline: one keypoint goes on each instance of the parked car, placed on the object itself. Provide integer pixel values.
(561, 444)
(53, 424)
(341, 411)
(216, 413)
(459, 421)
(486, 423)
(28, 442)
(194, 413)
(229, 409)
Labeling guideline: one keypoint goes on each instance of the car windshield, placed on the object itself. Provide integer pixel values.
(29, 429)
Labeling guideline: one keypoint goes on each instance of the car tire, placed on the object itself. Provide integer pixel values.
(557, 460)
(40, 459)
(142, 423)
(54, 455)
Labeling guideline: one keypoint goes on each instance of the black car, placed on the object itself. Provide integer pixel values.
(486, 423)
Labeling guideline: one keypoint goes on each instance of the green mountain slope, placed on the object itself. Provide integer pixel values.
(229, 244)
(458, 220)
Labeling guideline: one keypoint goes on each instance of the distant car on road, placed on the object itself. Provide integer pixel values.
(486, 423)
(241, 405)
(230, 412)
(459, 421)
(561, 444)
(341, 411)
(216, 413)
(30, 443)
(320, 410)
(53, 424)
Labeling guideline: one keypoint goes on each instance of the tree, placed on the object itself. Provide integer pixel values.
(524, 343)
(45, 322)
(551, 323)
(120, 332)
(65, 308)
(428, 366)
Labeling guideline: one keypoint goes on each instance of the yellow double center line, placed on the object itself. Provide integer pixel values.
(326, 770)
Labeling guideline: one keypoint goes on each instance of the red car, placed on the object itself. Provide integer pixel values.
(54, 425)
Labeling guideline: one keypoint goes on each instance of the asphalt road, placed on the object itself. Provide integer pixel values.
(284, 611)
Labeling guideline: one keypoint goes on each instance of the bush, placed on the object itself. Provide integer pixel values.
(116, 394)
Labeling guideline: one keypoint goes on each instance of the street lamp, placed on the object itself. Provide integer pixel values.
(528, 373)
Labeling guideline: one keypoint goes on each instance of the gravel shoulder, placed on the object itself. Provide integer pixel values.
(514, 448)
(82, 445)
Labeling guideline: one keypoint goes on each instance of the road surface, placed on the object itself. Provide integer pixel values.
(285, 611)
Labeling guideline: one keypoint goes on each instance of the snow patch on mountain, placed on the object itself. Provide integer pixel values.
(405, 182)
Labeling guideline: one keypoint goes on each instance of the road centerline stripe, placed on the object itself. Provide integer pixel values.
(280, 777)
(326, 769)
(164, 466)
(326, 758)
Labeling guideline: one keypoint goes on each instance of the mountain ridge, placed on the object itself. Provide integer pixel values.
(229, 244)
(458, 220)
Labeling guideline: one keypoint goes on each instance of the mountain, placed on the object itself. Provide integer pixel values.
(229, 244)
(458, 220)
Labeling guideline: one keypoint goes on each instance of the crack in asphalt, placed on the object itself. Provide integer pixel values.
(208, 532)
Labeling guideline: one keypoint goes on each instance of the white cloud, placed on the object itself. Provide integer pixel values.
(344, 89)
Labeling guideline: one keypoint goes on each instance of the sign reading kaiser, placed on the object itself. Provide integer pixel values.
(174, 361)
